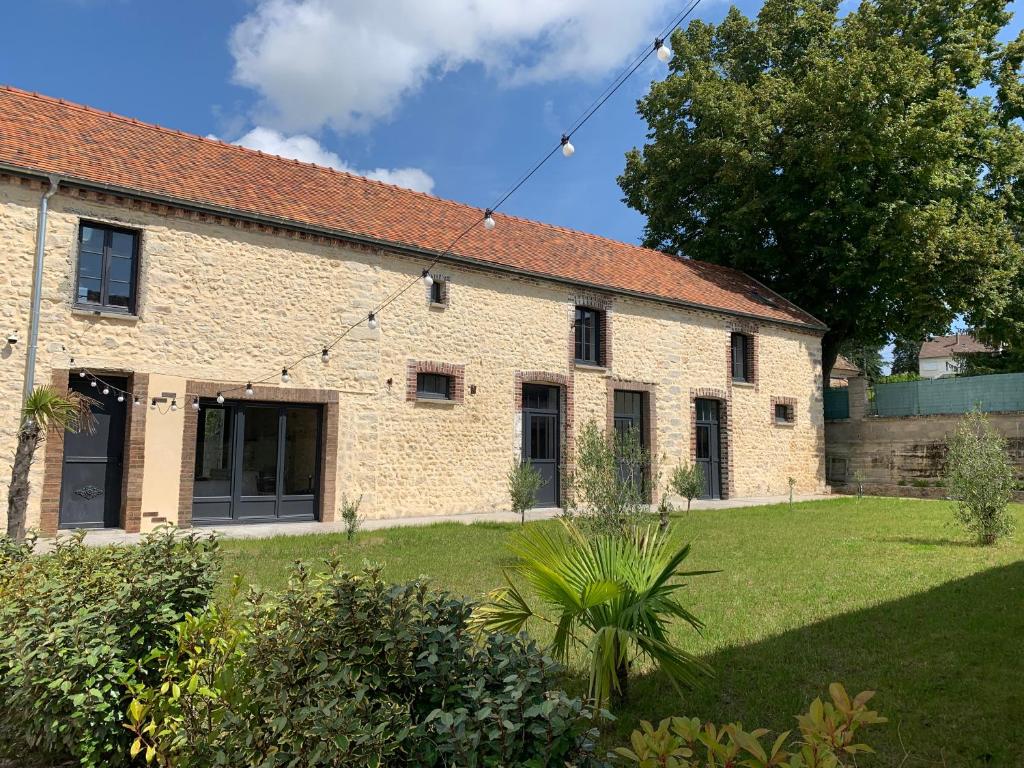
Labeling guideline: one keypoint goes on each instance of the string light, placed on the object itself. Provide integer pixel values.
(120, 398)
(106, 390)
(152, 405)
(664, 53)
(195, 403)
(135, 400)
(660, 49)
(92, 383)
(174, 404)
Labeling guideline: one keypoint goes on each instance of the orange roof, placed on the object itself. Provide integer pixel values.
(44, 135)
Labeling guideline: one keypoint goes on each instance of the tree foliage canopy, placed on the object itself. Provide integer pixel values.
(863, 165)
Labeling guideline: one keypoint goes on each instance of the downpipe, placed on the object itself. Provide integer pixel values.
(37, 289)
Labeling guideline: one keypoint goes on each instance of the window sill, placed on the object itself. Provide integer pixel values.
(590, 367)
(743, 384)
(438, 305)
(439, 401)
(785, 424)
(80, 311)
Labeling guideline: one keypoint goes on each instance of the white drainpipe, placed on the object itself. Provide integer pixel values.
(37, 288)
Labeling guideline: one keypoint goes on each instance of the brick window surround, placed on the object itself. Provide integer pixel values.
(650, 417)
(724, 433)
(750, 330)
(457, 374)
(130, 517)
(566, 405)
(603, 306)
(790, 403)
(443, 283)
(329, 431)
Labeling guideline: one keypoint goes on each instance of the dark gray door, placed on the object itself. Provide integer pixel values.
(90, 495)
(629, 419)
(256, 462)
(709, 454)
(541, 443)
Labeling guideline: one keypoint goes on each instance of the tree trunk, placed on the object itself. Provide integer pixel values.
(829, 352)
(29, 437)
(622, 675)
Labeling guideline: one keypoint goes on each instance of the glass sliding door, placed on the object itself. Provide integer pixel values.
(256, 462)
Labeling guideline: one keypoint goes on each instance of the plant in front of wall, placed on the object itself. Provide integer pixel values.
(608, 491)
(523, 483)
(350, 515)
(613, 595)
(687, 481)
(979, 477)
(45, 410)
(792, 484)
(858, 482)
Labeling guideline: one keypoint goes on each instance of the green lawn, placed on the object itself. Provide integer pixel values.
(876, 593)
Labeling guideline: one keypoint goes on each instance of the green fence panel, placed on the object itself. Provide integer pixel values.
(837, 403)
(998, 392)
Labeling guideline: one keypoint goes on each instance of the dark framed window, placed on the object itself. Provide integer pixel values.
(433, 386)
(740, 357)
(783, 413)
(437, 291)
(589, 329)
(107, 267)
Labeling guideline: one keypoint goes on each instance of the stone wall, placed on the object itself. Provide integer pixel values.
(901, 455)
(222, 302)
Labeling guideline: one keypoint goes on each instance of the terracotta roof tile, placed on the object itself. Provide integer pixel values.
(46, 135)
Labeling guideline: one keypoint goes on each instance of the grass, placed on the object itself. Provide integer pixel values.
(876, 593)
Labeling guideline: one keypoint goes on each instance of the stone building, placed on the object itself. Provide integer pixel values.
(177, 270)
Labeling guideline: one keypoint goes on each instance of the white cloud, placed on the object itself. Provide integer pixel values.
(309, 150)
(349, 63)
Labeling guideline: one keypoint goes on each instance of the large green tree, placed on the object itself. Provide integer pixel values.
(863, 165)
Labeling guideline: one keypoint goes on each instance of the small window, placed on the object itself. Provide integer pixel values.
(433, 386)
(588, 336)
(437, 291)
(107, 267)
(740, 357)
(783, 413)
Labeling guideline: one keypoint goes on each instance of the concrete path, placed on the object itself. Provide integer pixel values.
(268, 530)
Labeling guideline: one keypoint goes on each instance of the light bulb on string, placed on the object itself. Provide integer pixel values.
(92, 383)
(152, 405)
(372, 322)
(427, 279)
(567, 147)
(195, 403)
(285, 378)
(248, 389)
(120, 398)
(106, 390)
(220, 398)
(174, 405)
(488, 219)
(81, 374)
(663, 51)
(325, 355)
(135, 400)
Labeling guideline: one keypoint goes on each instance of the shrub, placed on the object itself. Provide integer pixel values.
(609, 490)
(687, 481)
(350, 516)
(612, 595)
(523, 483)
(345, 669)
(73, 626)
(980, 478)
(828, 739)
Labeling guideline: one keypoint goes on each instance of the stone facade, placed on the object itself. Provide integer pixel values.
(221, 302)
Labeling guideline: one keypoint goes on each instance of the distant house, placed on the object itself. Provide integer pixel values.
(938, 356)
(842, 371)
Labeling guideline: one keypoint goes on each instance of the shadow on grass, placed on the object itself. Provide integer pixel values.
(932, 542)
(947, 665)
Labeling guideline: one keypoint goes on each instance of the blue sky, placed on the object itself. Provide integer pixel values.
(455, 96)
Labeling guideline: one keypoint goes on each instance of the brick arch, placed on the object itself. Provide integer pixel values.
(724, 432)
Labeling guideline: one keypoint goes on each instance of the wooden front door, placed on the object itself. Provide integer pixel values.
(90, 494)
(541, 439)
(709, 451)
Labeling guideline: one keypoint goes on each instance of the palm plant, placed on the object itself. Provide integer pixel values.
(45, 409)
(615, 595)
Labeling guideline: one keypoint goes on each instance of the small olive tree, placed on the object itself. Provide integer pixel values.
(979, 477)
(523, 483)
(350, 515)
(687, 481)
(609, 490)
